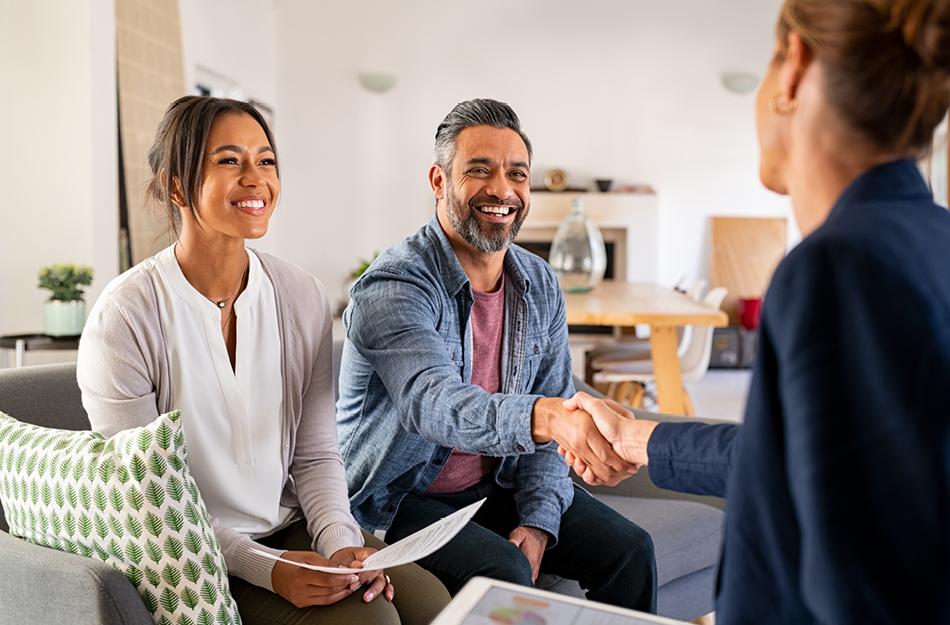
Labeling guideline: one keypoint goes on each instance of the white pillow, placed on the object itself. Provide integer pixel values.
(128, 500)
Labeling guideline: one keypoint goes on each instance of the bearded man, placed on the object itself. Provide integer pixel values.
(452, 385)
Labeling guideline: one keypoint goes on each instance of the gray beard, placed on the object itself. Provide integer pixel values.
(493, 238)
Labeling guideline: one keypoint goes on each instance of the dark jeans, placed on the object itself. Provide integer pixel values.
(611, 557)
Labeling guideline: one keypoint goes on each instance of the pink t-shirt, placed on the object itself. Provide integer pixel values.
(463, 469)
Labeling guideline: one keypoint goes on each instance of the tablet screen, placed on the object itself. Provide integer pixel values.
(500, 606)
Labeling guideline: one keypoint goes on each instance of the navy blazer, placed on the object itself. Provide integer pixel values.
(838, 484)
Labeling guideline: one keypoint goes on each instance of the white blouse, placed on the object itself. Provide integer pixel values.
(232, 419)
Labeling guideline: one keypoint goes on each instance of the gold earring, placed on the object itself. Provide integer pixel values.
(781, 105)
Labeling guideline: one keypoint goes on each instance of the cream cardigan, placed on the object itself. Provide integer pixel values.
(123, 373)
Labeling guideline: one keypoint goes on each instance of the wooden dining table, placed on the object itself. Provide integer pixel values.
(627, 304)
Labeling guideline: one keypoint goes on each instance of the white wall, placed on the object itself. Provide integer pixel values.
(615, 88)
(232, 38)
(59, 167)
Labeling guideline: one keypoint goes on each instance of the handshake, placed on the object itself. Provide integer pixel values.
(603, 441)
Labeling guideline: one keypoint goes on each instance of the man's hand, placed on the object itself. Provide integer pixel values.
(575, 431)
(304, 587)
(532, 542)
(628, 436)
(353, 557)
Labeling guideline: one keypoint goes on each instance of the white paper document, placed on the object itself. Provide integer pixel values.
(411, 548)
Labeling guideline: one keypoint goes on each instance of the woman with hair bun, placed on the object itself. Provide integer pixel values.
(838, 482)
(240, 341)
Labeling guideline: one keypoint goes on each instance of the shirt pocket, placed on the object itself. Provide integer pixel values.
(453, 350)
(535, 349)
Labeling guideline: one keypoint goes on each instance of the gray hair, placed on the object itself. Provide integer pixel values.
(478, 112)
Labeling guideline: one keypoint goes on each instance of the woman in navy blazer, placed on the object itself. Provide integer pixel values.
(838, 483)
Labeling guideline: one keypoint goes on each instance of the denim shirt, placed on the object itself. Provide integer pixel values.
(406, 397)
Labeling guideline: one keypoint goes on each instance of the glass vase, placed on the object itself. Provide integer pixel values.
(578, 254)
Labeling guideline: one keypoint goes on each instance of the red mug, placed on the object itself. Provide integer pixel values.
(749, 310)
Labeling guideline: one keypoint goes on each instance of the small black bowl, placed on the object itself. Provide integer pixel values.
(603, 184)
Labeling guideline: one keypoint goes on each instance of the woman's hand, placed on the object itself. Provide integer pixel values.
(305, 587)
(353, 557)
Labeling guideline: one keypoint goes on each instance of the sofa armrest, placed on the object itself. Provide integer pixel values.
(41, 585)
(640, 485)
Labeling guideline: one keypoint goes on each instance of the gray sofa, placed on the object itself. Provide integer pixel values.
(39, 585)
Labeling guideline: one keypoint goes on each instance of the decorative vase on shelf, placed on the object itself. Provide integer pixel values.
(64, 318)
(64, 314)
(578, 254)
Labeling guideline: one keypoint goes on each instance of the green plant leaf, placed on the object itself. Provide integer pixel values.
(69, 523)
(174, 548)
(191, 513)
(205, 618)
(154, 493)
(34, 493)
(134, 526)
(174, 488)
(153, 551)
(174, 519)
(46, 493)
(106, 469)
(71, 495)
(138, 468)
(144, 440)
(209, 565)
(79, 466)
(64, 468)
(84, 498)
(169, 600)
(223, 617)
(175, 462)
(102, 530)
(190, 598)
(134, 574)
(163, 436)
(115, 498)
(58, 495)
(122, 473)
(42, 465)
(191, 571)
(163, 620)
(116, 526)
(115, 549)
(171, 575)
(158, 464)
(148, 598)
(30, 468)
(134, 498)
(102, 553)
(55, 523)
(209, 593)
(134, 552)
(152, 576)
(99, 498)
(193, 542)
(84, 525)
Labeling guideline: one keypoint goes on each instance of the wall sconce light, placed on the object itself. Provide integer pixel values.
(739, 83)
(377, 82)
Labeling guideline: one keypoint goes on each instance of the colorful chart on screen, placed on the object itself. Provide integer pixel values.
(501, 606)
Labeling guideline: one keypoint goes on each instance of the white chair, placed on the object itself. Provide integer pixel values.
(625, 380)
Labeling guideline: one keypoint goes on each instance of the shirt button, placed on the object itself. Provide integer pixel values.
(536, 350)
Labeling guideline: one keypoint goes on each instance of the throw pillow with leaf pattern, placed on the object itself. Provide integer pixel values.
(128, 500)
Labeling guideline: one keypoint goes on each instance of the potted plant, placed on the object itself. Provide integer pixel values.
(65, 312)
